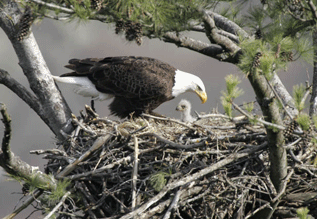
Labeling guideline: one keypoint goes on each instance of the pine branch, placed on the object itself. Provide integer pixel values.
(54, 7)
(227, 25)
(195, 45)
(213, 35)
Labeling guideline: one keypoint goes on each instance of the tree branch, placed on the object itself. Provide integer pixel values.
(54, 109)
(22, 92)
(227, 25)
(214, 36)
(15, 166)
(195, 45)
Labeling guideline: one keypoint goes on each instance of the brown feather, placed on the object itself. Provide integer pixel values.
(139, 84)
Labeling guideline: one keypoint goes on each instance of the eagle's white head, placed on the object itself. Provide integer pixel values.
(188, 82)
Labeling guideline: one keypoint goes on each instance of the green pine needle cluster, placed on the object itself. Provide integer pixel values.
(232, 92)
(304, 121)
(249, 106)
(281, 38)
(60, 190)
(302, 213)
(298, 94)
(155, 16)
(50, 199)
(158, 180)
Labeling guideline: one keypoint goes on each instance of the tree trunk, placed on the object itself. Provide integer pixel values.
(313, 99)
(50, 105)
(278, 158)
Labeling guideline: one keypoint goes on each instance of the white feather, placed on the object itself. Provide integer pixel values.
(186, 82)
(184, 106)
(84, 87)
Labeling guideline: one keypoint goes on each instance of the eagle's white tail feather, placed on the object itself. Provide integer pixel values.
(84, 87)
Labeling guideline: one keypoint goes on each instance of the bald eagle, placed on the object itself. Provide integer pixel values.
(184, 107)
(137, 84)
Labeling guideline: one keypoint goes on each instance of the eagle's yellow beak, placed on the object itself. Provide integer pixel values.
(202, 95)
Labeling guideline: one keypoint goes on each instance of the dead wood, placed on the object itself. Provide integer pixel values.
(162, 168)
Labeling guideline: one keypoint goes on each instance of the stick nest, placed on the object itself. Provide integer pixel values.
(160, 168)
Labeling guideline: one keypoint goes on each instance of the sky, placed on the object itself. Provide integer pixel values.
(61, 41)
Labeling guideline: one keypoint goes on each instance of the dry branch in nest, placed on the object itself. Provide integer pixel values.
(163, 168)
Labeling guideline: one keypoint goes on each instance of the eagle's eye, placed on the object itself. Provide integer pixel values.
(198, 88)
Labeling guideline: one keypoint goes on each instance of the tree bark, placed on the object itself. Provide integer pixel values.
(52, 107)
(313, 99)
(278, 156)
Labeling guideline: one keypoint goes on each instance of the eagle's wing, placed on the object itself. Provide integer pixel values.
(129, 77)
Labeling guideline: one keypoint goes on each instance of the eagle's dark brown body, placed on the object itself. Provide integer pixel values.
(138, 84)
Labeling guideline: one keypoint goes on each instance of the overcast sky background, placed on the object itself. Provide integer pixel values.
(60, 41)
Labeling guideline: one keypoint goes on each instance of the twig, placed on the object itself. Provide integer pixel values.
(168, 119)
(14, 165)
(79, 123)
(135, 172)
(7, 132)
(174, 145)
(308, 90)
(190, 178)
(49, 151)
(258, 120)
(277, 197)
(58, 205)
(126, 159)
(291, 145)
(26, 203)
(97, 144)
(173, 204)
(54, 7)
(211, 116)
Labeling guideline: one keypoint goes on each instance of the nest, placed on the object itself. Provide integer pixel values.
(162, 168)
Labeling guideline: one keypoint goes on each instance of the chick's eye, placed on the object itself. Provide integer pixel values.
(183, 106)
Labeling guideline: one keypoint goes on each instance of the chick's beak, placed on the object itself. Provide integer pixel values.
(202, 95)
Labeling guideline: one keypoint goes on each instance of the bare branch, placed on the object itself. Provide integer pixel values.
(97, 144)
(258, 120)
(227, 25)
(175, 145)
(15, 166)
(54, 7)
(195, 45)
(21, 91)
(213, 35)
(56, 111)
(135, 172)
(173, 204)
(37, 193)
(7, 132)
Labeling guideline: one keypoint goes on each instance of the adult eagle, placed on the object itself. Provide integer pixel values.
(138, 84)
